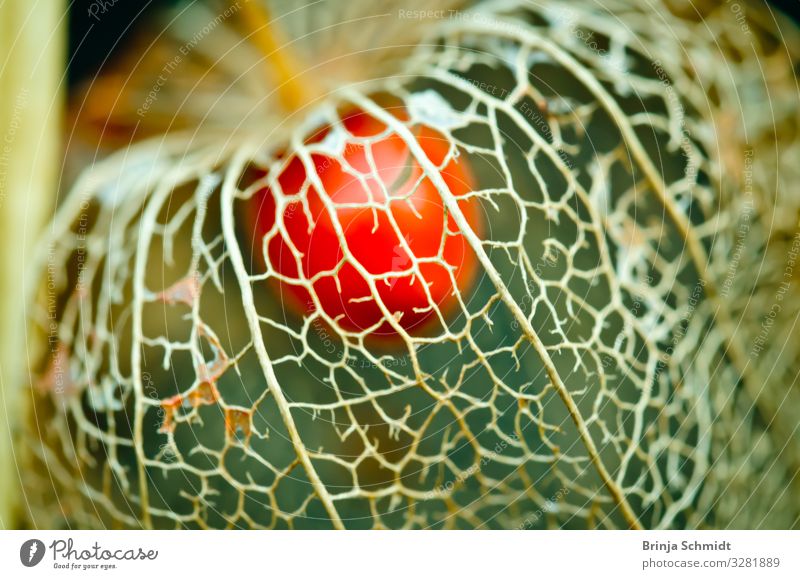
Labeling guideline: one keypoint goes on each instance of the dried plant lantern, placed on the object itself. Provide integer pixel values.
(624, 359)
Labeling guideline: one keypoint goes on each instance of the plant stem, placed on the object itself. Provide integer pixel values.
(294, 89)
(32, 41)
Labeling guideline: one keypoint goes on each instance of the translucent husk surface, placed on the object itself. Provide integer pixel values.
(625, 360)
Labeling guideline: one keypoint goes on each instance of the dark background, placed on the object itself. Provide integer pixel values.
(92, 42)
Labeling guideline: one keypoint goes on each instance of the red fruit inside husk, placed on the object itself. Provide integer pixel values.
(432, 236)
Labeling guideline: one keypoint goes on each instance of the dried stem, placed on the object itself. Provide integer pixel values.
(32, 44)
(294, 88)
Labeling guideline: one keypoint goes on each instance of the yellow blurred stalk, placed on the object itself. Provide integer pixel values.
(32, 57)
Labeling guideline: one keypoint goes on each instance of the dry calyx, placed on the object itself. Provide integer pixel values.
(592, 351)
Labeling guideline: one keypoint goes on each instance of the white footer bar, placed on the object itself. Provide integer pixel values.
(406, 555)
